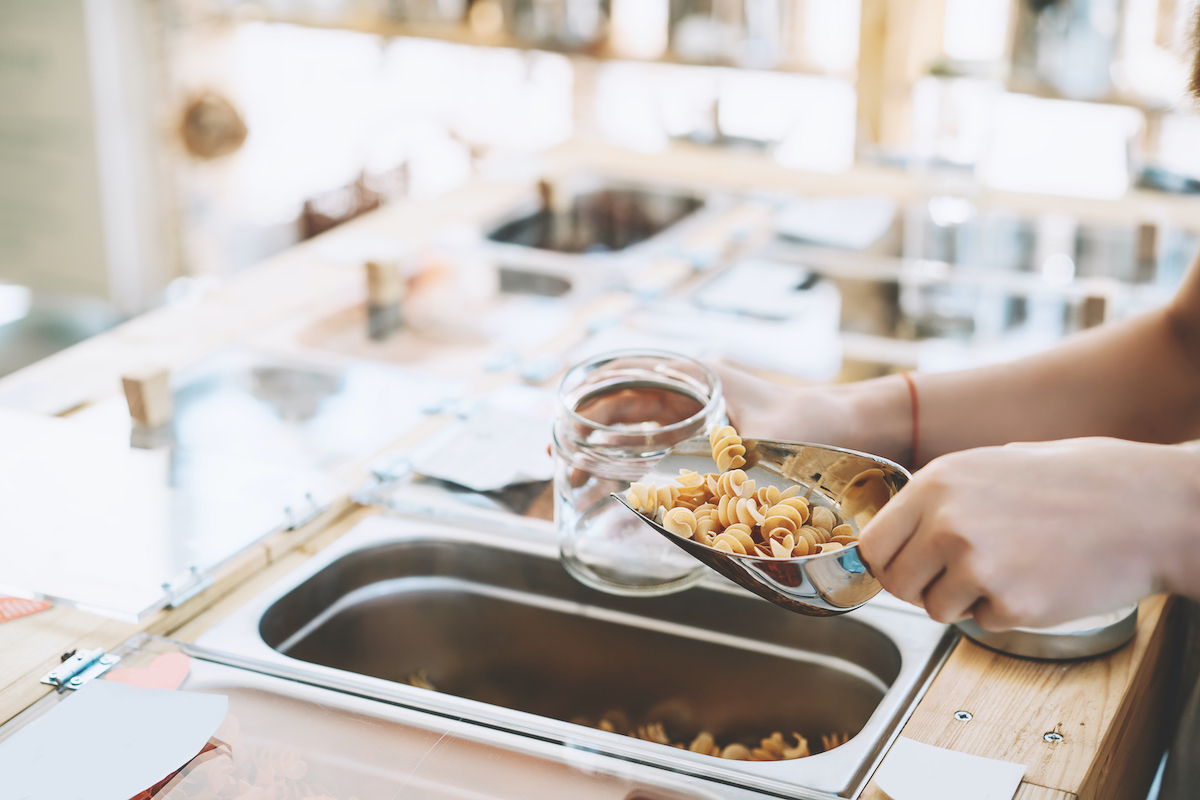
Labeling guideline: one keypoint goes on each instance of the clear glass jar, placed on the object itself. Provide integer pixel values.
(615, 416)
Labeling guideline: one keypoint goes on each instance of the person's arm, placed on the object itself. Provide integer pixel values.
(1137, 380)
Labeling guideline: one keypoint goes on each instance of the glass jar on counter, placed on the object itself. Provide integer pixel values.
(615, 416)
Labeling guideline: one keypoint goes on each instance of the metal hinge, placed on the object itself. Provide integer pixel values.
(78, 668)
(186, 586)
(300, 515)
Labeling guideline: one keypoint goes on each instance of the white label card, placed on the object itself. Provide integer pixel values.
(108, 741)
(915, 771)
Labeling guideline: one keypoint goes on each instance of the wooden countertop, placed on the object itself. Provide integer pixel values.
(1111, 711)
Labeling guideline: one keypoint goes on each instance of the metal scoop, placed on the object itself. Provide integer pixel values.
(854, 485)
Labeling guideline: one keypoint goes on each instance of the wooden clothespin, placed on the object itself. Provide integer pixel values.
(148, 394)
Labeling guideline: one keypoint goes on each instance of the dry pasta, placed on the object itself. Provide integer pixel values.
(727, 448)
(771, 748)
(775, 747)
(729, 512)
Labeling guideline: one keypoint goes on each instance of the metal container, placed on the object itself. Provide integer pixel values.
(1082, 638)
(597, 233)
(511, 642)
(595, 217)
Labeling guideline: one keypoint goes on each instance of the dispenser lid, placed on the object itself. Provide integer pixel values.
(166, 722)
(1081, 638)
(120, 520)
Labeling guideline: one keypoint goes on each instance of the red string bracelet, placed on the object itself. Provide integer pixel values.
(916, 417)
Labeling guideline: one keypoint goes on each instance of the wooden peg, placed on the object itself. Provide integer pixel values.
(385, 290)
(148, 394)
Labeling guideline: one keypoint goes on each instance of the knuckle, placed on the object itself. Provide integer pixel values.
(938, 610)
(934, 477)
(979, 571)
(898, 587)
(1003, 613)
(941, 473)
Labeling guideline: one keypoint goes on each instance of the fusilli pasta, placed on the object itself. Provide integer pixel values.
(728, 511)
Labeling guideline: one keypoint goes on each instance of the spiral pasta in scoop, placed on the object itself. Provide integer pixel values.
(728, 511)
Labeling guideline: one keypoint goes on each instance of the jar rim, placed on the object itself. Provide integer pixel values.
(714, 398)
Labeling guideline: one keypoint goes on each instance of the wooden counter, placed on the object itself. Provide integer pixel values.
(1111, 712)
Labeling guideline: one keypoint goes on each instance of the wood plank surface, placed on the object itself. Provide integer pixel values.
(1095, 704)
(1026, 791)
(1031, 791)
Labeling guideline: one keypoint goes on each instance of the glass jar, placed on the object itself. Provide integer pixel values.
(615, 416)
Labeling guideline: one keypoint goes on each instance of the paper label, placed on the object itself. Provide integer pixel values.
(108, 740)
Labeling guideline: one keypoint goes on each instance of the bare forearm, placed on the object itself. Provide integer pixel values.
(1138, 380)
(1130, 381)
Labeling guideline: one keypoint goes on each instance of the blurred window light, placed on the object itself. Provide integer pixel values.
(638, 28)
(831, 33)
(1058, 269)
(688, 101)
(15, 303)
(810, 119)
(945, 210)
(308, 96)
(1179, 144)
(492, 98)
(822, 133)
(627, 107)
(759, 105)
(953, 118)
(1182, 27)
(327, 109)
(437, 165)
(324, 106)
(1060, 147)
(1076, 44)
(976, 30)
(1150, 64)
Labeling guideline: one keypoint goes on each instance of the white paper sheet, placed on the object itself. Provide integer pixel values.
(108, 742)
(854, 223)
(492, 449)
(768, 290)
(915, 771)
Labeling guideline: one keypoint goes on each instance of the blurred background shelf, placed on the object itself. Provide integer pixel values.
(226, 131)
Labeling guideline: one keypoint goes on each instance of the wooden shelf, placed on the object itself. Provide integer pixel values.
(461, 33)
(1048, 92)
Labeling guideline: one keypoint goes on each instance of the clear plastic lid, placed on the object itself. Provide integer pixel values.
(122, 520)
(276, 738)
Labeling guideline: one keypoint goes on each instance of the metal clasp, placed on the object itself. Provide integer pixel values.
(186, 586)
(298, 517)
(78, 668)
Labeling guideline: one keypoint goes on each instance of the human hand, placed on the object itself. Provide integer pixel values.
(760, 408)
(873, 416)
(1038, 534)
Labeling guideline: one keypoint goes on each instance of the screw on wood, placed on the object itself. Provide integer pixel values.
(963, 716)
(1053, 737)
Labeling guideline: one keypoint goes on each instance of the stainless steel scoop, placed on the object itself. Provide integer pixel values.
(854, 485)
